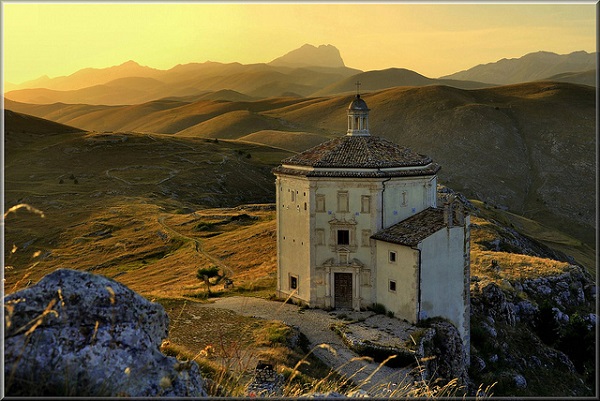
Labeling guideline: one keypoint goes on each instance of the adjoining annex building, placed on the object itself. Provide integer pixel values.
(358, 224)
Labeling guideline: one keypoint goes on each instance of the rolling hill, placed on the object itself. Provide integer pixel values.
(149, 209)
(526, 148)
(392, 77)
(130, 83)
(582, 78)
(107, 198)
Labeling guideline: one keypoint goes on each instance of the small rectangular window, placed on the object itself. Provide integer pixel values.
(293, 282)
(392, 256)
(343, 237)
(293, 196)
(320, 203)
(392, 286)
(365, 204)
(342, 205)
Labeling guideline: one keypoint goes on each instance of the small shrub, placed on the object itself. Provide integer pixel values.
(272, 334)
(378, 308)
(204, 226)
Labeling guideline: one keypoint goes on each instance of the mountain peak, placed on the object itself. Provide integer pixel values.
(130, 63)
(309, 55)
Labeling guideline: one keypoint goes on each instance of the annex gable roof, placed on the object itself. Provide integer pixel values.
(414, 229)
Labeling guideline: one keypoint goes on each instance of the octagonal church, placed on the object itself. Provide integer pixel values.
(358, 224)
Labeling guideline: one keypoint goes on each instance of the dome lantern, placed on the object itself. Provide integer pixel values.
(358, 116)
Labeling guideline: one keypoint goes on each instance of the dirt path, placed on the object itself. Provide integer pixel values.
(315, 324)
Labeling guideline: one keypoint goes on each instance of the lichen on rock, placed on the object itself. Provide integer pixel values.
(80, 334)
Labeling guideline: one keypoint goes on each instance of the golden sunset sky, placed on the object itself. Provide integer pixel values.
(431, 39)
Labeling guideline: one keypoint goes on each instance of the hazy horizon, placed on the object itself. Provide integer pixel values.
(431, 39)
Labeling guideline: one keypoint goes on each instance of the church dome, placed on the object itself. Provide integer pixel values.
(358, 104)
(361, 156)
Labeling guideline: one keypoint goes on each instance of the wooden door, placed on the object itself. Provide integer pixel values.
(343, 290)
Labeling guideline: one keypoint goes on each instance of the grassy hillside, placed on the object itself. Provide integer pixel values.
(527, 148)
(25, 123)
(116, 203)
(136, 206)
(149, 210)
(292, 141)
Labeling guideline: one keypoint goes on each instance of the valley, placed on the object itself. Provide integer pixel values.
(148, 210)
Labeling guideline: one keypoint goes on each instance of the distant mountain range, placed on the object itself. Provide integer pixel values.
(305, 72)
(535, 67)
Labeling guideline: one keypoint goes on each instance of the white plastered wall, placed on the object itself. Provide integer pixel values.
(404, 272)
(406, 196)
(443, 278)
(293, 237)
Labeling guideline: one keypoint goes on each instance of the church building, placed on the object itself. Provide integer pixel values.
(358, 224)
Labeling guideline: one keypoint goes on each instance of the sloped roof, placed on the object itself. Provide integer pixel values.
(414, 229)
(358, 152)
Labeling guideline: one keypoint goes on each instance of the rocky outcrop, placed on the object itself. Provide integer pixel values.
(80, 334)
(436, 346)
(518, 330)
(443, 353)
(567, 291)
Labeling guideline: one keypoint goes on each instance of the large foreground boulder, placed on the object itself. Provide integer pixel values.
(80, 334)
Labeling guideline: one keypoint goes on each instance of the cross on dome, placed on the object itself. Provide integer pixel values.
(357, 88)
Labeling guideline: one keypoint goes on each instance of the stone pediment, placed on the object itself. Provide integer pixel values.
(343, 222)
(331, 262)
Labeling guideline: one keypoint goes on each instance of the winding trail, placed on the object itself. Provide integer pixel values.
(376, 380)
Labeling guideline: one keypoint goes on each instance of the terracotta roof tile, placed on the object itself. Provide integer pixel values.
(358, 152)
(414, 229)
(429, 170)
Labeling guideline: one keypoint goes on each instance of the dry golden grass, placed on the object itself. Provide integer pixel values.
(551, 237)
(498, 266)
(513, 266)
(157, 253)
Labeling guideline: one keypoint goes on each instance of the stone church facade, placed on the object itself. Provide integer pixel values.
(358, 224)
